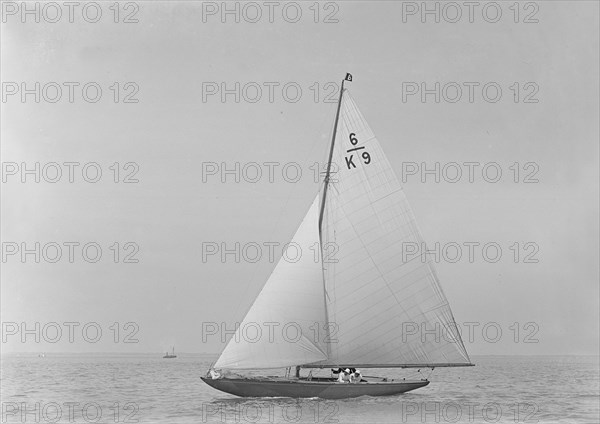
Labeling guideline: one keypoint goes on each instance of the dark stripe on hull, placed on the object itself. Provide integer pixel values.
(309, 389)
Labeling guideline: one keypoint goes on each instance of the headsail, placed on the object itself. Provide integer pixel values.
(374, 296)
(290, 303)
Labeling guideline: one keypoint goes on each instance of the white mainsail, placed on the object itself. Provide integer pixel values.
(280, 327)
(381, 305)
(379, 309)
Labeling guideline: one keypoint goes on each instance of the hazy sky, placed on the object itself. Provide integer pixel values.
(171, 55)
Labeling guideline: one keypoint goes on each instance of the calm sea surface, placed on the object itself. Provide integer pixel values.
(108, 388)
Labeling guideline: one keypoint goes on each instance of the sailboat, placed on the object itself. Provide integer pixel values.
(170, 355)
(365, 304)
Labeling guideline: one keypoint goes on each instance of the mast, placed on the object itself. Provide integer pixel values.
(335, 125)
(326, 184)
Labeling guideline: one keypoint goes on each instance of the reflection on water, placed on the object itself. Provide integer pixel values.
(147, 389)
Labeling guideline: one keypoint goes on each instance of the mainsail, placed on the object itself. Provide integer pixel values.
(379, 309)
(387, 310)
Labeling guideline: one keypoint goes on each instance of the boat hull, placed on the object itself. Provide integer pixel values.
(253, 387)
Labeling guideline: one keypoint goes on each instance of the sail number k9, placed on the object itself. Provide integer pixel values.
(366, 157)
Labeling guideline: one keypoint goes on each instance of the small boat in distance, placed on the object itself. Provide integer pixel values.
(170, 355)
(368, 307)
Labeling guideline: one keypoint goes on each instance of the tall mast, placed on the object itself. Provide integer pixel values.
(326, 182)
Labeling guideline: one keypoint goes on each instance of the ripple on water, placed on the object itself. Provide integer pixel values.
(542, 389)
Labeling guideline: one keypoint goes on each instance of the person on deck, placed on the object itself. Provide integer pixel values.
(355, 377)
(344, 375)
(340, 374)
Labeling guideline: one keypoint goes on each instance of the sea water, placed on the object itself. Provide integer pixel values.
(145, 388)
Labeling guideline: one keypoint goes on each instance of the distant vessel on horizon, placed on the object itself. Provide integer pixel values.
(170, 355)
(357, 305)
